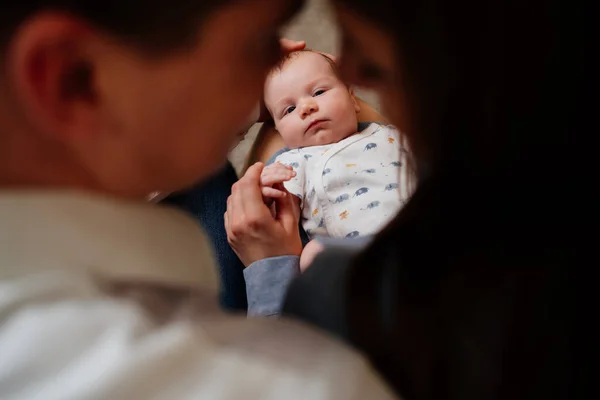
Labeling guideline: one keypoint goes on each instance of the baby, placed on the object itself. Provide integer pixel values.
(348, 181)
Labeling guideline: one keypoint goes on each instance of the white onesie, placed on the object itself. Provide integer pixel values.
(351, 188)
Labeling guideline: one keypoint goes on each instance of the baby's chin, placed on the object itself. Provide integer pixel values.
(324, 137)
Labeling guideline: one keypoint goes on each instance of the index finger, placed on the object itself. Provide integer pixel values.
(250, 186)
(241, 196)
(288, 45)
(251, 192)
(253, 173)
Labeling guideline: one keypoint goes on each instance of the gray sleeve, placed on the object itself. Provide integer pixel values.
(267, 282)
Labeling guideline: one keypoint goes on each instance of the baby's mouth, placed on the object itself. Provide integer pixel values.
(316, 124)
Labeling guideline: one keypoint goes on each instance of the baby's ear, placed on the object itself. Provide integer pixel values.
(353, 96)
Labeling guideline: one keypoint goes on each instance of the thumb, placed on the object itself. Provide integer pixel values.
(288, 211)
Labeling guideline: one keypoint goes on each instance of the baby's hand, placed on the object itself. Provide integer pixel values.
(271, 179)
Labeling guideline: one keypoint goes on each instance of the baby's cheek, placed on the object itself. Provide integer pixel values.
(292, 134)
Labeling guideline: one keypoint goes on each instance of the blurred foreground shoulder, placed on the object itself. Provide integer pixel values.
(69, 336)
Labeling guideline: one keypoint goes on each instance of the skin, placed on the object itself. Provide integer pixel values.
(269, 141)
(306, 90)
(253, 232)
(251, 228)
(309, 253)
(287, 46)
(81, 110)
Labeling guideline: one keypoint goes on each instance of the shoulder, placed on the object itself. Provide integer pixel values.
(376, 128)
(112, 338)
(276, 155)
(384, 134)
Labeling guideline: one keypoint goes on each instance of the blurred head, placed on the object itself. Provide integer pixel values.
(464, 80)
(309, 103)
(473, 84)
(129, 96)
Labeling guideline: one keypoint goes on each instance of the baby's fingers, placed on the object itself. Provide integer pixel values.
(269, 192)
(277, 166)
(273, 176)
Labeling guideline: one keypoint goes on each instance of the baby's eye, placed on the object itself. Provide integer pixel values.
(289, 110)
(319, 92)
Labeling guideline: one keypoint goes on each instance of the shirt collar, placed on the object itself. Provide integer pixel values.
(116, 239)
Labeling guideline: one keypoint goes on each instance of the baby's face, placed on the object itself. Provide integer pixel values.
(308, 102)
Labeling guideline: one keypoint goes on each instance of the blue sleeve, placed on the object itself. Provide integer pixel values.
(267, 282)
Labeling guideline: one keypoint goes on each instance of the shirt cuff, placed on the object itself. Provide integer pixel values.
(267, 282)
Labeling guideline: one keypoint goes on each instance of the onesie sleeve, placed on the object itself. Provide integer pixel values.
(295, 159)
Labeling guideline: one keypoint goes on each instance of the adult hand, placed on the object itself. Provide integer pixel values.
(271, 180)
(252, 231)
(288, 45)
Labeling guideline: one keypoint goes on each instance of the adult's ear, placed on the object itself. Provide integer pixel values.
(51, 74)
(354, 99)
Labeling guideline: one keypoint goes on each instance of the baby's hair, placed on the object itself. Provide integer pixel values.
(290, 56)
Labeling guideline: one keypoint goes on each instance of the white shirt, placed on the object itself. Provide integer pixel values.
(109, 299)
(353, 187)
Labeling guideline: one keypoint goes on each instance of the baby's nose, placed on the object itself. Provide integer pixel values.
(309, 107)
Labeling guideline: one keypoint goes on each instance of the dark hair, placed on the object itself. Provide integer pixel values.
(152, 26)
(469, 293)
